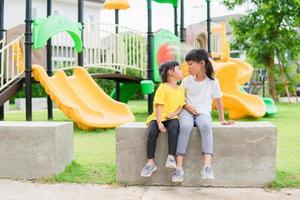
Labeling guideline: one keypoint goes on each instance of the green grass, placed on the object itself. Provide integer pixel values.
(94, 151)
(94, 159)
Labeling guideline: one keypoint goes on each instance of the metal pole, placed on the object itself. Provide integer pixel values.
(49, 63)
(208, 27)
(116, 46)
(182, 29)
(149, 48)
(28, 43)
(117, 20)
(80, 20)
(1, 37)
(175, 21)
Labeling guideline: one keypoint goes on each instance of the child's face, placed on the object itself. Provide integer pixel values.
(196, 67)
(176, 73)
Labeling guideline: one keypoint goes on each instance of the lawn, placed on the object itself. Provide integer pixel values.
(94, 151)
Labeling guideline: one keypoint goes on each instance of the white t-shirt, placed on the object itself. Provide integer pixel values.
(201, 93)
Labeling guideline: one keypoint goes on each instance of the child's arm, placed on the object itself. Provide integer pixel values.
(220, 109)
(171, 115)
(159, 109)
(191, 109)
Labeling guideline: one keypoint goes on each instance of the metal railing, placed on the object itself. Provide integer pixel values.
(219, 43)
(12, 61)
(103, 48)
(63, 52)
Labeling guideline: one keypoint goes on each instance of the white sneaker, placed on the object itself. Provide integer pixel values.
(170, 162)
(148, 170)
(207, 173)
(178, 176)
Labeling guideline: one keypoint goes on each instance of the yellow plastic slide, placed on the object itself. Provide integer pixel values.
(231, 75)
(82, 100)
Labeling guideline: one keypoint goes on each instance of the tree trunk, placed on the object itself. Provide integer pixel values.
(271, 78)
(286, 87)
(297, 100)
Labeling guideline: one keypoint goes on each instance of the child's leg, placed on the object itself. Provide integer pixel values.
(153, 132)
(173, 129)
(204, 124)
(150, 167)
(186, 124)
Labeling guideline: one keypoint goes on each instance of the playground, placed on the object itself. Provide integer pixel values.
(79, 137)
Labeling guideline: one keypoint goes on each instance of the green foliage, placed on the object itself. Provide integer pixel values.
(269, 33)
(107, 85)
(290, 74)
(37, 91)
(270, 27)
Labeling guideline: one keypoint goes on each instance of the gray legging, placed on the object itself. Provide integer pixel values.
(187, 122)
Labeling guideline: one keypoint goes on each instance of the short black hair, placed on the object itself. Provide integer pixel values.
(165, 67)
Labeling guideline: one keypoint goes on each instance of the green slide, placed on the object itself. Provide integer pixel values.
(127, 90)
(271, 108)
(45, 28)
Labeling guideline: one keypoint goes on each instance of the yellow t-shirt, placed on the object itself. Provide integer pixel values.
(169, 97)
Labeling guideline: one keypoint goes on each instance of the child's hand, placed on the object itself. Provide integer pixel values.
(170, 116)
(161, 127)
(230, 122)
(191, 109)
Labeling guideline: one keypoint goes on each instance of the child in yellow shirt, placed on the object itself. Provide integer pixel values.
(168, 102)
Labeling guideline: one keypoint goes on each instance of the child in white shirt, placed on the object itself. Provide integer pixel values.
(200, 89)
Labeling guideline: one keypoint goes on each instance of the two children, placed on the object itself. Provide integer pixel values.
(199, 90)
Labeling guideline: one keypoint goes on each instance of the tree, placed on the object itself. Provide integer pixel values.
(267, 33)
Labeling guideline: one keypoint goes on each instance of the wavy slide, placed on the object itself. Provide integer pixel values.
(231, 75)
(82, 100)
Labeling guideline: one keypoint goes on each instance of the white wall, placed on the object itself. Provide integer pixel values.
(14, 10)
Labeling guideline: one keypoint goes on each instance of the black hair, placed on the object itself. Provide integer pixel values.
(165, 67)
(198, 55)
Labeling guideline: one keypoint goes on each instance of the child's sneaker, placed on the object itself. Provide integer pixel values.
(170, 162)
(148, 170)
(178, 176)
(207, 173)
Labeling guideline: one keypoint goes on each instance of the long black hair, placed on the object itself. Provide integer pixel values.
(165, 67)
(198, 55)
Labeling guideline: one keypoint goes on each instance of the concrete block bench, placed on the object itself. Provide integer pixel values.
(244, 156)
(34, 149)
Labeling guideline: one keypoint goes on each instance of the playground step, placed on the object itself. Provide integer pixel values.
(34, 149)
(244, 156)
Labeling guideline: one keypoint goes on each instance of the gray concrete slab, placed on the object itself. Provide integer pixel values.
(18, 190)
(34, 149)
(244, 156)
